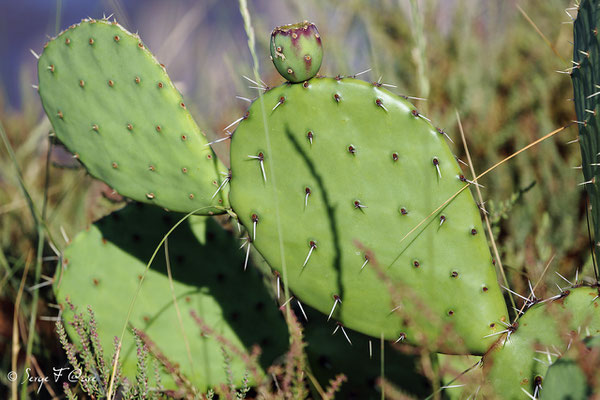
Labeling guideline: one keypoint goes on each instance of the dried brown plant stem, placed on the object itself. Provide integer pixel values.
(485, 217)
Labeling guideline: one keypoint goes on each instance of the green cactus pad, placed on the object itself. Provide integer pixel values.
(113, 105)
(296, 51)
(348, 170)
(586, 53)
(103, 266)
(520, 361)
(566, 380)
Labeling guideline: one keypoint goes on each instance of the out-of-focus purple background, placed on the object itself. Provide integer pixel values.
(187, 36)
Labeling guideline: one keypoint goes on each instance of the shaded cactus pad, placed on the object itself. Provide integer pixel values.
(104, 265)
(347, 171)
(519, 362)
(113, 105)
(296, 51)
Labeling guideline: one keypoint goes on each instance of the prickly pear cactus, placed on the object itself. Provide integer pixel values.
(515, 367)
(296, 51)
(103, 266)
(113, 105)
(570, 376)
(586, 90)
(328, 176)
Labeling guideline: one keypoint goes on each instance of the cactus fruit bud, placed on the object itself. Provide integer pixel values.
(296, 51)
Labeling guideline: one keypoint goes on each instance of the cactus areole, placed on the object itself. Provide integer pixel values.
(296, 51)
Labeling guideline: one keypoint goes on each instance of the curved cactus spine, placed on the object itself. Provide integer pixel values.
(296, 51)
(113, 105)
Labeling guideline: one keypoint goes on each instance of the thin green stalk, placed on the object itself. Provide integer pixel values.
(137, 292)
(419, 57)
(58, 17)
(34, 304)
(252, 46)
(382, 367)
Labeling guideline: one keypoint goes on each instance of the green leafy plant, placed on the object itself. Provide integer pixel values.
(346, 190)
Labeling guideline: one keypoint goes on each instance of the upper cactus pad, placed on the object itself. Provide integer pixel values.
(296, 51)
(103, 267)
(113, 105)
(348, 169)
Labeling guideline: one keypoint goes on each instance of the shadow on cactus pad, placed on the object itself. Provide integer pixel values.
(103, 267)
(360, 362)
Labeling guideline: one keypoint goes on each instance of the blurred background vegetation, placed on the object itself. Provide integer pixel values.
(480, 57)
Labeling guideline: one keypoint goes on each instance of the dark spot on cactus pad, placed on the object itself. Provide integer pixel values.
(67, 41)
(351, 149)
(337, 97)
(111, 83)
(160, 85)
(137, 79)
(305, 84)
(136, 238)
(180, 259)
(234, 316)
(454, 274)
(95, 127)
(221, 277)
(395, 156)
(450, 312)
(403, 211)
(310, 136)
(117, 38)
(158, 128)
(91, 41)
(473, 231)
(81, 83)
(415, 113)
(115, 165)
(485, 288)
(492, 325)
(259, 306)
(129, 127)
(416, 263)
